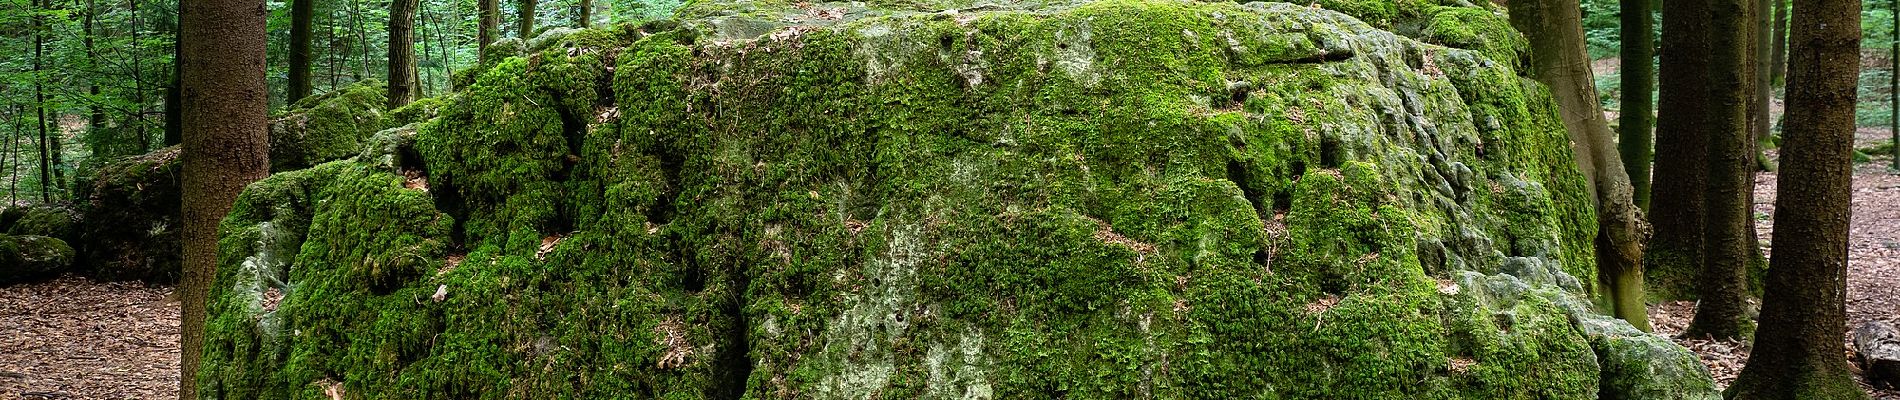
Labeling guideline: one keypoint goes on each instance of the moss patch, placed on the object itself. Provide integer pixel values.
(1113, 199)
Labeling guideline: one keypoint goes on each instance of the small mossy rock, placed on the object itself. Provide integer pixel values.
(30, 257)
(327, 127)
(132, 215)
(942, 199)
(41, 220)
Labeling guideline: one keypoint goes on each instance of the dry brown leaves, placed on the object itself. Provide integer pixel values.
(1873, 266)
(72, 338)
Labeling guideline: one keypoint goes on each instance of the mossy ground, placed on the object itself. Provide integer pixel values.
(1117, 199)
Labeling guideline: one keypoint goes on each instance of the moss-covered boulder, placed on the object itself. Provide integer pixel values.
(327, 127)
(933, 199)
(131, 219)
(30, 257)
(56, 221)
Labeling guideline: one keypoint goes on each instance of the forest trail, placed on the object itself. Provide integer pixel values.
(72, 338)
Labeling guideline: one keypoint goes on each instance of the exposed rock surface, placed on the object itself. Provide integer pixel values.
(1878, 346)
(1114, 199)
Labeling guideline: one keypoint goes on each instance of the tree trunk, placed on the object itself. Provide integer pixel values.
(39, 102)
(1636, 140)
(1760, 112)
(138, 83)
(402, 52)
(490, 15)
(525, 21)
(174, 121)
(1893, 83)
(1722, 290)
(97, 114)
(1555, 30)
(1778, 56)
(1798, 350)
(587, 13)
(300, 13)
(227, 99)
(1680, 179)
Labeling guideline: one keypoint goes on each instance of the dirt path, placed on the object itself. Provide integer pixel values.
(75, 339)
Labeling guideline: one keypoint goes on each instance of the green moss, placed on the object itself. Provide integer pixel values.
(28, 257)
(133, 216)
(50, 221)
(327, 127)
(1116, 199)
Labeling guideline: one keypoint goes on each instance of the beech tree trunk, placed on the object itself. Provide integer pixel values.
(1555, 30)
(1636, 140)
(1798, 350)
(300, 13)
(1680, 179)
(402, 52)
(225, 115)
(1760, 113)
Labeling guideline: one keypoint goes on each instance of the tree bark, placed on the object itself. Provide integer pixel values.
(402, 52)
(1555, 30)
(39, 102)
(1760, 112)
(1722, 290)
(1797, 353)
(587, 13)
(1778, 56)
(525, 19)
(490, 15)
(301, 12)
(1680, 178)
(225, 103)
(1636, 139)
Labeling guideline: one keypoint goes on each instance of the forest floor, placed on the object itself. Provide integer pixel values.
(1873, 263)
(72, 338)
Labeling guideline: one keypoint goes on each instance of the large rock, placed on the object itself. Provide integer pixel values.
(327, 127)
(131, 219)
(1877, 344)
(1114, 199)
(56, 221)
(29, 257)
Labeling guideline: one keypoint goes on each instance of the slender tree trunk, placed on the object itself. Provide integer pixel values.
(1893, 83)
(1722, 287)
(1680, 178)
(1778, 56)
(335, 51)
(138, 81)
(587, 13)
(1555, 30)
(402, 52)
(39, 102)
(97, 115)
(490, 13)
(1760, 114)
(525, 19)
(300, 13)
(362, 39)
(226, 115)
(174, 121)
(1797, 353)
(1636, 140)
